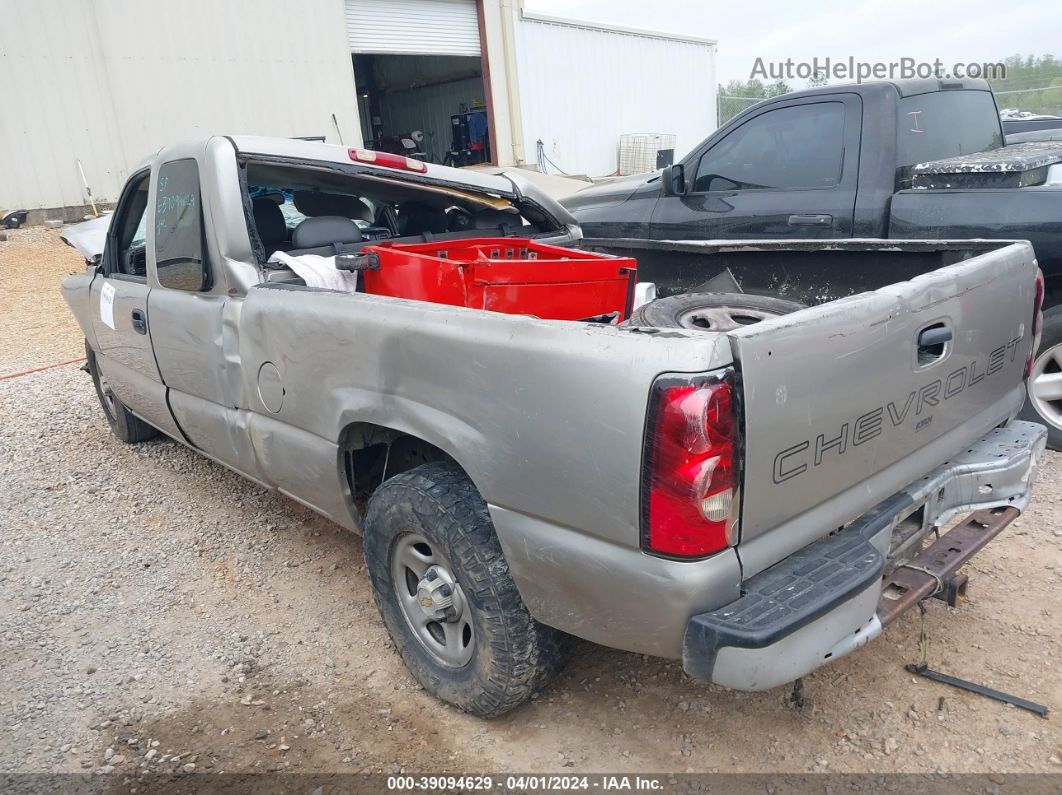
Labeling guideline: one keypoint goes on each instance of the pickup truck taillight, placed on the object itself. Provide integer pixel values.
(1037, 323)
(690, 477)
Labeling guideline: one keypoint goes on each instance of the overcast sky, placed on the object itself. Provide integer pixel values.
(871, 30)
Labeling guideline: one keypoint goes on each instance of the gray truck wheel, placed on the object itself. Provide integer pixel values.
(1044, 401)
(124, 424)
(710, 311)
(446, 595)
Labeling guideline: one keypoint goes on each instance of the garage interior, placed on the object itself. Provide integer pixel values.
(429, 107)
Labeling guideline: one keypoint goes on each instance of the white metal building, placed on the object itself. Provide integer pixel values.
(107, 82)
(583, 85)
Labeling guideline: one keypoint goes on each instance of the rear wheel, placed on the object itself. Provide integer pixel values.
(124, 424)
(446, 596)
(710, 311)
(1044, 401)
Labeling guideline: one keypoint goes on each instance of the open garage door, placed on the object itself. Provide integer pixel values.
(420, 75)
(413, 27)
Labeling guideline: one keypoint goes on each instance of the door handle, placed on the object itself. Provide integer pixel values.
(935, 335)
(810, 220)
(139, 321)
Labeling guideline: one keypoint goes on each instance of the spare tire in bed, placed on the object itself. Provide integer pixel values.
(710, 311)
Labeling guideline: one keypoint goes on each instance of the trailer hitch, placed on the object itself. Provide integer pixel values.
(934, 570)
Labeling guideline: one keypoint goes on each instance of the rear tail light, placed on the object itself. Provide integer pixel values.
(1037, 322)
(387, 159)
(690, 497)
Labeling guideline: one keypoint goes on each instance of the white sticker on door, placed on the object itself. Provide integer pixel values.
(107, 304)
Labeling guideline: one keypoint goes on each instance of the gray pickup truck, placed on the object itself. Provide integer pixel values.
(756, 499)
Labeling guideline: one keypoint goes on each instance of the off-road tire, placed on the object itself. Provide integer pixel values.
(124, 424)
(514, 655)
(675, 311)
(1050, 338)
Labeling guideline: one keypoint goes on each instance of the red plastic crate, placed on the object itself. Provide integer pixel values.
(504, 274)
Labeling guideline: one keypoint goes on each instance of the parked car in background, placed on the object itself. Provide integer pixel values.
(842, 162)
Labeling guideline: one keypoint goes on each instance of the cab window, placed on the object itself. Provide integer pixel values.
(797, 147)
(946, 124)
(126, 254)
(180, 258)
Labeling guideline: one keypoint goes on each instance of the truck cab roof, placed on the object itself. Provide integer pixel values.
(416, 170)
(387, 195)
(904, 88)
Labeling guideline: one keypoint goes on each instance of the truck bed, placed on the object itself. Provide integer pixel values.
(810, 272)
(1031, 213)
(839, 408)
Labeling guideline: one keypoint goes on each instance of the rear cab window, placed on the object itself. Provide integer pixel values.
(325, 209)
(180, 257)
(945, 124)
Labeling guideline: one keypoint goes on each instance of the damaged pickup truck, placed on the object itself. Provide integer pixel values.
(435, 359)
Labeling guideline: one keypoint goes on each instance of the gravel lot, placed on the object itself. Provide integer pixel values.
(157, 613)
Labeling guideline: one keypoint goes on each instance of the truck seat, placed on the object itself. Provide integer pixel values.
(416, 218)
(269, 221)
(326, 235)
(315, 204)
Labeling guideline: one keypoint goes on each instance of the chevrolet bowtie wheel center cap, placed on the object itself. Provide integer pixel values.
(436, 596)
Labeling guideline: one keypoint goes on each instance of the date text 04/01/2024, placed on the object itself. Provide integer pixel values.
(524, 783)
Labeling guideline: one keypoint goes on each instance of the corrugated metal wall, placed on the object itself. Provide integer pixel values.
(581, 87)
(429, 109)
(421, 92)
(415, 27)
(110, 81)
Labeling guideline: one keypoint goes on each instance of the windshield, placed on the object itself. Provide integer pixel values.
(946, 124)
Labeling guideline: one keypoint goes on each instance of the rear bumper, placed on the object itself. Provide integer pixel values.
(827, 599)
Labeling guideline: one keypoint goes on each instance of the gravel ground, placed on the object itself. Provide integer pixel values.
(36, 328)
(158, 613)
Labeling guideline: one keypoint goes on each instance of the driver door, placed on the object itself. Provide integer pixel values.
(789, 171)
(119, 300)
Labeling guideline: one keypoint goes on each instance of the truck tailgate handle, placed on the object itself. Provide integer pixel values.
(935, 335)
(931, 343)
(810, 220)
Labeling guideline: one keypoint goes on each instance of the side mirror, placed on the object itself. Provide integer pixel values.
(674, 179)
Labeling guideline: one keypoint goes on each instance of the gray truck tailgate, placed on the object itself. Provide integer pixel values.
(842, 406)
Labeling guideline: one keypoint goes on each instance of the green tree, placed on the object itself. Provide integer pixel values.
(1033, 83)
(735, 96)
(819, 79)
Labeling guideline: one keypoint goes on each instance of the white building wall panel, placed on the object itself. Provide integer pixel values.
(111, 81)
(413, 27)
(581, 87)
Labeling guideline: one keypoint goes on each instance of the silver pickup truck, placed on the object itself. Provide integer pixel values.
(757, 498)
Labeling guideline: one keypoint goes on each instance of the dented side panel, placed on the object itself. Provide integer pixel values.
(545, 416)
(842, 407)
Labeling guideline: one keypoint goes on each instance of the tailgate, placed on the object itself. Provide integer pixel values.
(842, 407)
